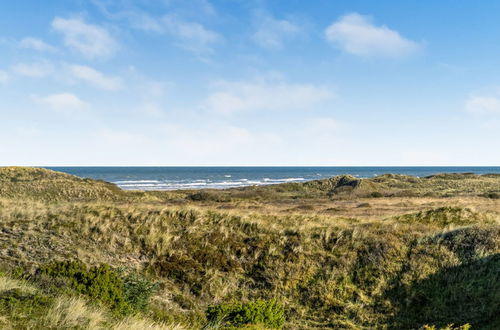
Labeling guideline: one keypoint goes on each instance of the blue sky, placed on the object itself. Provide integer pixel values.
(229, 82)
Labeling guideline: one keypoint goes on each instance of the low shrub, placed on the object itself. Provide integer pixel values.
(138, 291)
(206, 196)
(268, 313)
(123, 294)
(493, 195)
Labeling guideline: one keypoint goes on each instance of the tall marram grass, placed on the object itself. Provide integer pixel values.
(408, 266)
(328, 272)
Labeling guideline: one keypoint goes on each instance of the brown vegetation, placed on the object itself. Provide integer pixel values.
(332, 252)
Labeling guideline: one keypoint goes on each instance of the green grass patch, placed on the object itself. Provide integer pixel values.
(268, 313)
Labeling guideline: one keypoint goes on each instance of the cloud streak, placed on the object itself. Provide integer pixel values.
(191, 36)
(94, 78)
(357, 35)
(265, 95)
(92, 41)
(33, 70)
(37, 44)
(272, 33)
(483, 105)
(65, 102)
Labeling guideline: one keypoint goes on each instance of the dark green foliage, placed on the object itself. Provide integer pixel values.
(206, 195)
(493, 195)
(268, 313)
(123, 295)
(138, 291)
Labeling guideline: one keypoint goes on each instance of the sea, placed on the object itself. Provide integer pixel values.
(175, 178)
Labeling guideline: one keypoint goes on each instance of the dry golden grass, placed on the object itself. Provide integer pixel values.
(334, 261)
(7, 283)
(71, 313)
(133, 323)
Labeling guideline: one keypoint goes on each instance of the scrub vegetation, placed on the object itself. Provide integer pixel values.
(391, 252)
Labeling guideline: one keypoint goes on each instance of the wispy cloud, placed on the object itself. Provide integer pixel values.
(34, 70)
(65, 102)
(179, 19)
(356, 34)
(191, 36)
(272, 33)
(483, 104)
(37, 44)
(137, 18)
(90, 40)
(93, 77)
(265, 94)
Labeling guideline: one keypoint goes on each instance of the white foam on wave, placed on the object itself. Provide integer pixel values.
(199, 184)
(283, 180)
(136, 181)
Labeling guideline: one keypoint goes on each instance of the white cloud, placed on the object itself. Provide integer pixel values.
(62, 101)
(35, 70)
(190, 35)
(94, 77)
(90, 40)
(181, 21)
(272, 33)
(137, 18)
(357, 35)
(4, 76)
(265, 94)
(36, 44)
(483, 104)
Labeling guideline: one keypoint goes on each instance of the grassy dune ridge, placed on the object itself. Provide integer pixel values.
(388, 252)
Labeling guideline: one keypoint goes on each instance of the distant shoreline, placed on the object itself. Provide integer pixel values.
(193, 178)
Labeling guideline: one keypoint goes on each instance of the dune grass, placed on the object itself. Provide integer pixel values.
(332, 257)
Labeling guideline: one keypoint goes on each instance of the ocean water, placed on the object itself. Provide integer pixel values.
(172, 178)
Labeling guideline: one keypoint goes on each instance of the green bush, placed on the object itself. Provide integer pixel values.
(123, 294)
(138, 291)
(268, 313)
